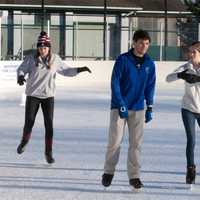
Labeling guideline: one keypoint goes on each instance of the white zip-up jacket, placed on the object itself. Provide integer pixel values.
(191, 97)
(41, 80)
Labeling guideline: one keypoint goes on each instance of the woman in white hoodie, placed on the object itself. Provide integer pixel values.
(41, 69)
(190, 73)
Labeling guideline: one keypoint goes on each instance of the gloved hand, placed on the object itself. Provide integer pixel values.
(182, 74)
(21, 80)
(123, 112)
(148, 114)
(83, 69)
(190, 78)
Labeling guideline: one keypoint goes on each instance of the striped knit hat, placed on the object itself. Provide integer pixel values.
(43, 40)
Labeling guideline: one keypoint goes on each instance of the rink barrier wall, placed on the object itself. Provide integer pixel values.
(100, 77)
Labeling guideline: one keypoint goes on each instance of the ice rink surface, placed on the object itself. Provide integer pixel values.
(80, 137)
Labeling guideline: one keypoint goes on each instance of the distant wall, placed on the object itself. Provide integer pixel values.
(100, 77)
(102, 71)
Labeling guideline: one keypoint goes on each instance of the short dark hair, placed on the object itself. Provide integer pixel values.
(141, 34)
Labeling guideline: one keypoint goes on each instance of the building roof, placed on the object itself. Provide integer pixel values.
(159, 5)
(154, 6)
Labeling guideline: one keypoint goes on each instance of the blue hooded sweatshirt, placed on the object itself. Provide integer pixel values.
(131, 85)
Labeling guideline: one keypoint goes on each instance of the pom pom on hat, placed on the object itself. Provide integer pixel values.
(43, 40)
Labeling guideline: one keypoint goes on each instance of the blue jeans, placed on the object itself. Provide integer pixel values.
(189, 119)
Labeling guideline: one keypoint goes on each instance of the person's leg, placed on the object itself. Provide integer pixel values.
(116, 132)
(135, 126)
(197, 115)
(189, 124)
(31, 109)
(48, 110)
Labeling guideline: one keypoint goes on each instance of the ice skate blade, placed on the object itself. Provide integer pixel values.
(105, 189)
(137, 190)
(191, 186)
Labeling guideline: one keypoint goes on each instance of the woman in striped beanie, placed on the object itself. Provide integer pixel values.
(40, 70)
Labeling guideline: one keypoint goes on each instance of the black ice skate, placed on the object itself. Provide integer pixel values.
(21, 147)
(136, 183)
(107, 179)
(191, 174)
(49, 158)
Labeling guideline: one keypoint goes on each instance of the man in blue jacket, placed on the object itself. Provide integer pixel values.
(132, 84)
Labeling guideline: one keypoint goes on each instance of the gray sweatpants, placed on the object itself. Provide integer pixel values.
(135, 123)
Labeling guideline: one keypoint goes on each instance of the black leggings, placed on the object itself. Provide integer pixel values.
(32, 107)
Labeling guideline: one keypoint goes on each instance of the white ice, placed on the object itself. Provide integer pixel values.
(80, 139)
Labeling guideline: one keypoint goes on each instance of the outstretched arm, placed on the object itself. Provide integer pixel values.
(83, 69)
(190, 78)
(183, 73)
(174, 75)
(65, 70)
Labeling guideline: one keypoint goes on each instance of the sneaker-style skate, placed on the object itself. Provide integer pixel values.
(107, 179)
(21, 147)
(136, 183)
(49, 158)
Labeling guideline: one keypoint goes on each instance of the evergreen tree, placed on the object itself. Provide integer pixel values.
(188, 27)
(194, 7)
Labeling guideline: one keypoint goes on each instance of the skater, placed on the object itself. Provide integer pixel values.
(132, 83)
(190, 73)
(41, 69)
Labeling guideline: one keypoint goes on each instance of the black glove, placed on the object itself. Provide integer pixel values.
(182, 74)
(21, 80)
(83, 69)
(148, 114)
(190, 78)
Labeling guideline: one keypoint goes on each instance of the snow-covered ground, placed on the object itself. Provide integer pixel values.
(80, 139)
